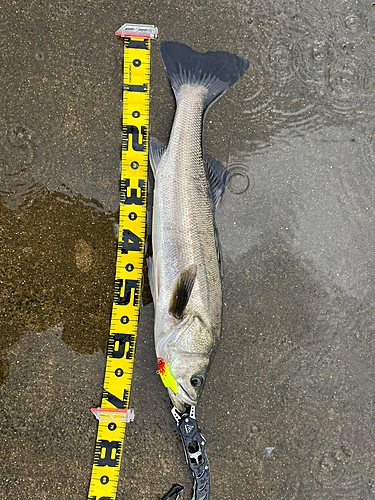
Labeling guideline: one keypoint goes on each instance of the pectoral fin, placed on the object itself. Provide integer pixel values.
(182, 291)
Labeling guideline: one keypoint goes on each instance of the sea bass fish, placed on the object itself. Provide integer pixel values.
(185, 271)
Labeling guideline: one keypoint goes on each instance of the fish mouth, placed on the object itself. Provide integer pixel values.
(182, 398)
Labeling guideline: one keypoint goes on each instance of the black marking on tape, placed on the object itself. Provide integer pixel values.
(112, 426)
(136, 44)
(119, 343)
(123, 293)
(137, 63)
(120, 404)
(130, 242)
(133, 198)
(134, 132)
(135, 88)
(101, 498)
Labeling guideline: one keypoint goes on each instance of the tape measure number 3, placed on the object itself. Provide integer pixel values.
(114, 411)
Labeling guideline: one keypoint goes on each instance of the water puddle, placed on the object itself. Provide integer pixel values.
(58, 265)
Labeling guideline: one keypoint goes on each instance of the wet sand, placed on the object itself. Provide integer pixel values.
(288, 408)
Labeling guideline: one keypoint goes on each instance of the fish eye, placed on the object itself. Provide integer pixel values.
(196, 380)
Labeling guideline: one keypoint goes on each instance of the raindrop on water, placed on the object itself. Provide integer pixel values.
(352, 23)
(349, 84)
(239, 180)
(317, 53)
(314, 58)
(280, 60)
(329, 464)
(62, 8)
(19, 135)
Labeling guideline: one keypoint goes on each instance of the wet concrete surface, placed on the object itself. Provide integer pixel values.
(288, 409)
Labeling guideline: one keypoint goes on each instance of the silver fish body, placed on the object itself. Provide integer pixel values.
(185, 264)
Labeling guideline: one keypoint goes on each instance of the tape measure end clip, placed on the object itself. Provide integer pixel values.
(137, 31)
(113, 415)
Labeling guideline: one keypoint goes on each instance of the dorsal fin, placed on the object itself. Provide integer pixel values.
(182, 291)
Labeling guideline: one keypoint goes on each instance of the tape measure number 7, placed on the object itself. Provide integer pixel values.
(114, 411)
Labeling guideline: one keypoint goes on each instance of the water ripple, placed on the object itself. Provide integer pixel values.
(316, 66)
(294, 117)
(350, 83)
(314, 59)
(16, 160)
(279, 60)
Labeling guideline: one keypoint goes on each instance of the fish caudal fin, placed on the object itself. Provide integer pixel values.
(216, 71)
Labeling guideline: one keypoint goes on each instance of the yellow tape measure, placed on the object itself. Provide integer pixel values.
(114, 411)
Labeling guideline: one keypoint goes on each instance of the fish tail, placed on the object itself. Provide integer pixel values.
(216, 71)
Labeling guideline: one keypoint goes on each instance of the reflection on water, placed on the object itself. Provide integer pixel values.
(58, 262)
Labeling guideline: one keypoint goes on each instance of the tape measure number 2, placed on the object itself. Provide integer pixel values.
(114, 411)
